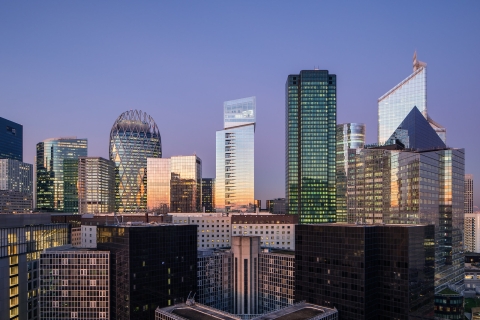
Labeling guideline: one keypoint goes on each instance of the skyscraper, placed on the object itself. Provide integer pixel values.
(310, 124)
(208, 194)
(96, 185)
(175, 184)
(11, 140)
(395, 105)
(134, 138)
(349, 136)
(468, 193)
(56, 158)
(235, 157)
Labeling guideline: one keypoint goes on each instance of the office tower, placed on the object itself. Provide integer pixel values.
(74, 283)
(208, 195)
(175, 184)
(96, 185)
(70, 185)
(471, 232)
(24, 237)
(349, 136)
(310, 124)
(134, 138)
(52, 162)
(367, 272)
(407, 187)
(155, 266)
(15, 186)
(449, 305)
(276, 206)
(468, 193)
(11, 140)
(395, 105)
(234, 190)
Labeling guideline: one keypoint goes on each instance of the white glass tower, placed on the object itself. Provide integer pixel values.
(235, 157)
(397, 103)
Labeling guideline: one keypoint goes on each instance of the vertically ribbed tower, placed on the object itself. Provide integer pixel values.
(134, 138)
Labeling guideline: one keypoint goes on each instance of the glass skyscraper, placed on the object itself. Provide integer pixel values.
(11, 140)
(134, 138)
(56, 159)
(310, 129)
(234, 190)
(397, 103)
(96, 185)
(175, 184)
(349, 136)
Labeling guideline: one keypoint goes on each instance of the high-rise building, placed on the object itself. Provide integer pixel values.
(395, 105)
(208, 195)
(57, 172)
(367, 272)
(134, 138)
(234, 190)
(11, 140)
(16, 186)
(349, 136)
(471, 232)
(96, 185)
(406, 187)
(175, 184)
(468, 193)
(155, 266)
(310, 124)
(276, 206)
(74, 283)
(23, 238)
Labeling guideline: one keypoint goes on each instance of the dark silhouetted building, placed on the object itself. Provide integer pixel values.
(367, 271)
(152, 266)
(208, 195)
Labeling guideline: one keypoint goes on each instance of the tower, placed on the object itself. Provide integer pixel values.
(311, 116)
(134, 138)
(234, 190)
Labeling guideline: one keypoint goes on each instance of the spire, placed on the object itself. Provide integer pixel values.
(417, 64)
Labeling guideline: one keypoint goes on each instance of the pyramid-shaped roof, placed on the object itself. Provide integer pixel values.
(416, 133)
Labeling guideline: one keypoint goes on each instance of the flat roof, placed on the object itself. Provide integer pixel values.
(299, 311)
(197, 312)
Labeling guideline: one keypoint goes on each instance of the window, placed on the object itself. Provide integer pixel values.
(55, 304)
(83, 272)
(64, 261)
(55, 272)
(74, 315)
(102, 315)
(93, 304)
(93, 283)
(64, 283)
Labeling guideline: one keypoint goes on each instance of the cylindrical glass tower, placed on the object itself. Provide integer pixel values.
(134, 138)
(349, 136)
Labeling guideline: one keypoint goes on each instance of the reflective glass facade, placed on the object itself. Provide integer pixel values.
(134, 138)
(20, 250)
(349, 136)
(96, 185)
(310, 145)
(11, 140)
(399, 187)
(51, 166)
(397, 103)
(234, 190)
(366, 272)
(152, 266)
(416, 133)
(175, 184)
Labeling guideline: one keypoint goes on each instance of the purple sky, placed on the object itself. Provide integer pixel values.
(70, 68)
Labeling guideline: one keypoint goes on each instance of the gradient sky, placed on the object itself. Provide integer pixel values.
(70, 68)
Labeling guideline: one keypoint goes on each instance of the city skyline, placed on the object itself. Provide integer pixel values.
(53, 89)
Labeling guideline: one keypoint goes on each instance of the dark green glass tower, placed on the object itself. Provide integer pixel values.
(310, 129)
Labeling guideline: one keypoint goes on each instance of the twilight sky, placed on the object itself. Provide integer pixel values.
(70, 68)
